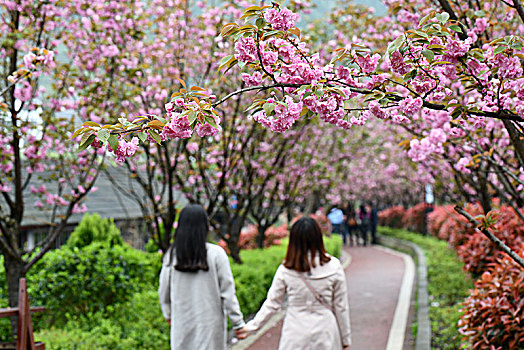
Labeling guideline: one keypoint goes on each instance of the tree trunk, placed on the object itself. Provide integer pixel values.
(261, 236)
(289, 214)
(234, 250)
(14, 270)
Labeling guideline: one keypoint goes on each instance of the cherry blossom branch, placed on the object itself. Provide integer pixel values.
(491, 236)
(251, 88)
(23, 76)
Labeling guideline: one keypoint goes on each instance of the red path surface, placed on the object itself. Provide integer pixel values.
(374, 279)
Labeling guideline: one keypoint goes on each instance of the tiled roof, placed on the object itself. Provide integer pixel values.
(107, 201)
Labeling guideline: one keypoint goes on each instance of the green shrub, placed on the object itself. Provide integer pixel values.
(333, 245)
(448, 286)
(136, 324)
(73, 281)
(93, 228)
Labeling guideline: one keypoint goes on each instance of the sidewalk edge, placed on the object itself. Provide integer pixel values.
(400, 318)
(423, 340)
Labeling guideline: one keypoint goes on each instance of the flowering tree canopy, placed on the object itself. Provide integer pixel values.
(451, 76)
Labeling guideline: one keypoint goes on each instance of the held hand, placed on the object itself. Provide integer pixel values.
(241, 333)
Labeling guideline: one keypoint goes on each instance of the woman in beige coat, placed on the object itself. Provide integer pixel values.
(317, 316)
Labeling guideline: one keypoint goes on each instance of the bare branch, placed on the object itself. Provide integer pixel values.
(517, 5)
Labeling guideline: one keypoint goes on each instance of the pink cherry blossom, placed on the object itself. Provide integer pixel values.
(409, 106)
(281, 19)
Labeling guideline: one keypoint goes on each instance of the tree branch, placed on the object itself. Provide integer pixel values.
(491, 236)
(517, 5)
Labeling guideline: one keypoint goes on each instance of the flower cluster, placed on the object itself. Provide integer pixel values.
(285, 114)
(177, 127)
(281, 18)
(126, 149)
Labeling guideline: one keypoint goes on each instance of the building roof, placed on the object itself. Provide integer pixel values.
(107, 201)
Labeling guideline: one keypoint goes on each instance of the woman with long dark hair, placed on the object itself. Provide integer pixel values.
(197, 290)
(317, 316)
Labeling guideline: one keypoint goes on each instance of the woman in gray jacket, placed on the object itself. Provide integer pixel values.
(317, 316)
(197, 290)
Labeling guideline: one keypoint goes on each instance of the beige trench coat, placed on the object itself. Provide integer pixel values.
(309, 324)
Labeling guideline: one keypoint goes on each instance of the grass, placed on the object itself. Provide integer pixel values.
(448, 286)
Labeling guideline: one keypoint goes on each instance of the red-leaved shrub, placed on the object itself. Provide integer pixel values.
(437, 218)
(478, 251)
(493, 315)
(413, 219)
(248, 237)
(457, 228)
(323, 221)
(392, 217)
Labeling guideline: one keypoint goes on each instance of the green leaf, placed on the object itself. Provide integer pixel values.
(428, 54)
(455, 28)
(271, 34)
(142, 136)
(480, 13)
(260, 22)
(268, 108)
(103, 135)
(410, 75)
(282, 103)
(86, 143)
(90, 123)
(155, 136)
(211, 121)
(442, 17)
(191, 117)
(424, 19)
(440, 63)
(395, 45)
(224, 60)
(499, 49)
(113, 142)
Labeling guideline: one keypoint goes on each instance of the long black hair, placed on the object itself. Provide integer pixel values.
(190, 240)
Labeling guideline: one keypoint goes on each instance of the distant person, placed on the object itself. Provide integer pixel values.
(336, 217)
(196, 289)
(365, 222)
(317, 316)
(373, 222)
(351, 223)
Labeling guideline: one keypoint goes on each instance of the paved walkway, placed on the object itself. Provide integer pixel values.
(379, 286)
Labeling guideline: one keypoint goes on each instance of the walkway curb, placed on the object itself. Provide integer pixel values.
(400, 318)
(423, 341)
(345, 259)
